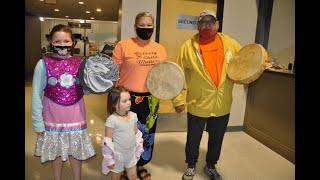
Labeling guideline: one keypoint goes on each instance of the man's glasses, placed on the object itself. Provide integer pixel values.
(210, 23)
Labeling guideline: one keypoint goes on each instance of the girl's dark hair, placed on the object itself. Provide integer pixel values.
(63, 28)
(114, 98)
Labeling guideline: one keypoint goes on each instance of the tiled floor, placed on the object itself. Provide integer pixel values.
(242, 157)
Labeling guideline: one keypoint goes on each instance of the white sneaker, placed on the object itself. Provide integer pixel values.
(189, 173)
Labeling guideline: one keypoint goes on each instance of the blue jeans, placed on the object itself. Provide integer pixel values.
(216, 127)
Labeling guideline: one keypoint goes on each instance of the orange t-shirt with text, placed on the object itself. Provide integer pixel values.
(135, 61)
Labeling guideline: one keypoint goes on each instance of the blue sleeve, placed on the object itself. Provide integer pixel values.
(86, 92)
(39, 82)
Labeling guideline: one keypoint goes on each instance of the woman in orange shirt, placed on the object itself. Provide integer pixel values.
(135, 57)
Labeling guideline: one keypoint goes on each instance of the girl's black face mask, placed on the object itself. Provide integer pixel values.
(61, 50)
(144, 33)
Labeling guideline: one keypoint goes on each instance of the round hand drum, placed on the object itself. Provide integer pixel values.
(165, 80)
(248, 64)
(98, 73)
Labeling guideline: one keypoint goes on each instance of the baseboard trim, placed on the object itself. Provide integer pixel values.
(177, 122)
(234, 128)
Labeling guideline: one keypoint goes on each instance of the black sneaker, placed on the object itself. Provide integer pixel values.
(189, 173)
(212, 173)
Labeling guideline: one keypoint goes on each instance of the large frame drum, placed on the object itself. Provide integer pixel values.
(248, 64)
(98, 73)
(165, 80)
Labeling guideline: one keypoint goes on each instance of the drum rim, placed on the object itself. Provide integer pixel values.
(81, 74)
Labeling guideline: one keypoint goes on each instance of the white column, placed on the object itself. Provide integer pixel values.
(240, 22)
(129, 11)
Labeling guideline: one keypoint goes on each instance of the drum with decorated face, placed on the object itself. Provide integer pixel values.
(98, 73)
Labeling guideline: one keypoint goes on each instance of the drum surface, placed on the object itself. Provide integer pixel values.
(248, 64)
(98, 73)
(165, 80)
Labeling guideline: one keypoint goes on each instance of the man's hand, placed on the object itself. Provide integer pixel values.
(180, 108)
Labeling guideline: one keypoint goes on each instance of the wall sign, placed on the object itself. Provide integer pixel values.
(186, 22)
(79, 25)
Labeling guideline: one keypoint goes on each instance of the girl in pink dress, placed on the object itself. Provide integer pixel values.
(58, 111)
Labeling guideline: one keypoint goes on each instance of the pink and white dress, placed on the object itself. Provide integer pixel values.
(63, 113)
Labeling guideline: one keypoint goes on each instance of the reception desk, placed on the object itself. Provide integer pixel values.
(270, 112)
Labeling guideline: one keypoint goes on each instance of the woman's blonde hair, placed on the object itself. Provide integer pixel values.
(143, 14)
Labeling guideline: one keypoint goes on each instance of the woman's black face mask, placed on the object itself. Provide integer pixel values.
(144, 33)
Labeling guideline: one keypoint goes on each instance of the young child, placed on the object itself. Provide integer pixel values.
(123, 144)
(58, 110)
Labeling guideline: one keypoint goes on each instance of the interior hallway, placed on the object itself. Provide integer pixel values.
(242, 157)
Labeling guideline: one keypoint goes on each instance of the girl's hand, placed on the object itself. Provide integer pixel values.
(111, 166)
(40, 133)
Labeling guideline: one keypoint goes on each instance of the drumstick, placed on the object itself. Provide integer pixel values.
(191, 102)
(183, 107)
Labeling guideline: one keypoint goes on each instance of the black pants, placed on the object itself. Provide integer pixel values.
(216, 127)
(146, 106)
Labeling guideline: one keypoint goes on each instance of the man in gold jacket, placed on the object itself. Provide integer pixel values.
(204, 59)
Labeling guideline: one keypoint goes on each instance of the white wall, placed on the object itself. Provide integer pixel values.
(281, 45)
(130, 8)
(239, 22)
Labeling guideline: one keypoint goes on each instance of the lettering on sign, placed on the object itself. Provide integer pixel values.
(186, 22)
